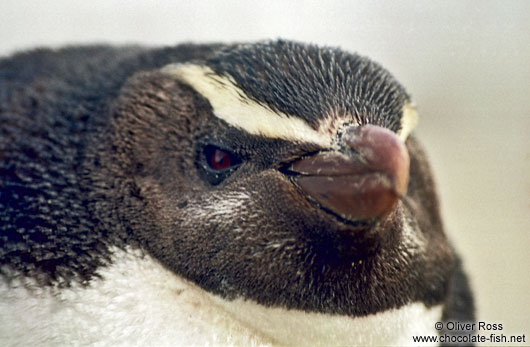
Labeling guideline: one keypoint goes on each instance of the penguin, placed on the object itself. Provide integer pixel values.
(267, 193)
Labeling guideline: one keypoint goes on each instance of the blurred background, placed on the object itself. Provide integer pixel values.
(465, 63)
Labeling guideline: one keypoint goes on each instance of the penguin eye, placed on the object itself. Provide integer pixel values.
(219, 163)
(218, 159)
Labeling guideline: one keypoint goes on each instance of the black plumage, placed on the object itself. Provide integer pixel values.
(99, 148)
(309, 81)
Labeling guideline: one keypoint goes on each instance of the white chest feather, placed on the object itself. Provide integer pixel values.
(140, 303)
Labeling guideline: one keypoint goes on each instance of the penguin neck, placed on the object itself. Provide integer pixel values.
(137, 300)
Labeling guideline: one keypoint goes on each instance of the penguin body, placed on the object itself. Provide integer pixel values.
(140, 303)
(266, 193)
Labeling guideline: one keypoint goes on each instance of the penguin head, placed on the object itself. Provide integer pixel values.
(281, 173)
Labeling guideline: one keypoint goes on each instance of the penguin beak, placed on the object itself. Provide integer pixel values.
(362, 181)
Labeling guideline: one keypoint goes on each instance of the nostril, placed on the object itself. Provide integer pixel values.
(382, 150)
(363, 139)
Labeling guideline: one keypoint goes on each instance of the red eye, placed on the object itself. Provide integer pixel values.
(218, 159)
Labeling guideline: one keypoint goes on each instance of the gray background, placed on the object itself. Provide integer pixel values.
(466, 64)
